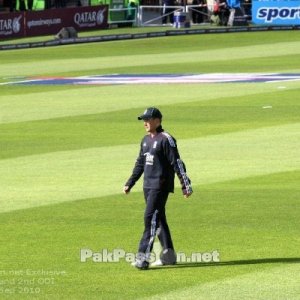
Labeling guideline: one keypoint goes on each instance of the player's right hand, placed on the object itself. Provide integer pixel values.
(126, 189)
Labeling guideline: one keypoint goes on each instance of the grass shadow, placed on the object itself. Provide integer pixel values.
(231, 263)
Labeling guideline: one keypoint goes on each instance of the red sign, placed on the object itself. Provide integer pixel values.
(51, 21)
(11, 25)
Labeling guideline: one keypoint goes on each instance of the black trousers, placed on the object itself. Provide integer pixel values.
(169, 15)
(155, 222)
(30, 4)
(198, 15)
(60, 3)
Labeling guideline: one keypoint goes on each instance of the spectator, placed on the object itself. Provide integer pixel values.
(248, 8)
(131, 12)
(220, 13)
(199, 13)
(21, 5)
(60, 3)
(168, 12)
(223, 13)
(12, 5)
(30, 4)
(48, 4)
(233, 5)
(215, 18)
(9, 4)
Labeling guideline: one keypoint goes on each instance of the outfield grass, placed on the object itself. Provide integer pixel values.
(66, 151)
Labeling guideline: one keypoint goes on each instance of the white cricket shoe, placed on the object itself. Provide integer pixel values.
(157, 263)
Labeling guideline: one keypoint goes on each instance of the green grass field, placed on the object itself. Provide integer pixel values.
(66, 152)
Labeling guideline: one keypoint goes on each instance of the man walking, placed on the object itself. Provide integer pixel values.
(159, 160)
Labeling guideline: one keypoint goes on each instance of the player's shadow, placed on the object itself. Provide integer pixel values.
(232, 263)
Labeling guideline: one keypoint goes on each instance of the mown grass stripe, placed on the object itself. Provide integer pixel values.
(77, 64)
(65, 176)
(281, 282)
(90, 100)
(198, 119)
(250, 221)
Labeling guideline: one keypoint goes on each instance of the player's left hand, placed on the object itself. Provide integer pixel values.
(187, 195)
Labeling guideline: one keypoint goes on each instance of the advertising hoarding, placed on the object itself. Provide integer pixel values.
(51, 21)
(11, 25)
(271, 12)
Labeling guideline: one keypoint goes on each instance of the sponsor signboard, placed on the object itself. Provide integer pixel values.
(272, 12)
(52, 20)
(11, 25)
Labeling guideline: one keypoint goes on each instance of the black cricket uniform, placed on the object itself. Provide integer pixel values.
(159, 160)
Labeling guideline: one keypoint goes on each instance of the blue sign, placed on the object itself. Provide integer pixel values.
(272, 12)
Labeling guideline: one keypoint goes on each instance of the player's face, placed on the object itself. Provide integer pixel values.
(151, 125)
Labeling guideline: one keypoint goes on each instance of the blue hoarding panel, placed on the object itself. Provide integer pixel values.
(272, 12)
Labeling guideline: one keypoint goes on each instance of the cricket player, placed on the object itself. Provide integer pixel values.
(159, 160)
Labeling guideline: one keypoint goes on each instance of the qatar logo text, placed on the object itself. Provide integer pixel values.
(10, 26)
(89, 19)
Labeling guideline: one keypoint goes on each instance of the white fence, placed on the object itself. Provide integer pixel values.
(146, 15)
(157, 15)
(163, 15)
(150, 15)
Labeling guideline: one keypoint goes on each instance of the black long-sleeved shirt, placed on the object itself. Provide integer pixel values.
(159, 160)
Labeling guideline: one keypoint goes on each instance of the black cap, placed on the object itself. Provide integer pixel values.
(151, 112)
